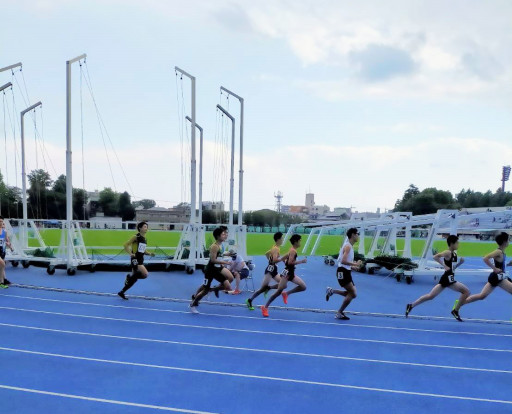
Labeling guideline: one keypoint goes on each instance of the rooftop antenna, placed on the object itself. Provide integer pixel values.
(279, 197)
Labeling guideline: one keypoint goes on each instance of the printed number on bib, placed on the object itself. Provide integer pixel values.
(270, 268)
(142, 248)
(451, 278)
(2, 243)
(285, 273)
(205, 282)
(340, 275)
(502, 276)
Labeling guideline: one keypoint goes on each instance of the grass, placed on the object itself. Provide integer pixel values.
(257, 243)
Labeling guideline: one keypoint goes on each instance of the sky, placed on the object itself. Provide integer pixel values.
(353, 101)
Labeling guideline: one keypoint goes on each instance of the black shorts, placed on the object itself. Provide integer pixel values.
(271, 269)
(134, 263)
(244, 273)
(2, 254)
(344, 276)
(494, 279)
(288, 274)
(211, 274)
(447, 279)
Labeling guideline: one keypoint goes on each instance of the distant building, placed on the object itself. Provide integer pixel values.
(177, 214)
(213, 206)
(310, 201)
(101, 222)
(319, 210)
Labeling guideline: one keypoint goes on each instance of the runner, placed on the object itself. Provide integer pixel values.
(448, 259)
(271, 271)
(344, 273)
(214, 270)
(136, 248)
(4, 244)
(288, 275)
(499, 276)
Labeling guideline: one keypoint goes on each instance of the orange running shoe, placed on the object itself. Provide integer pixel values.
(285, 297)
(264, 311)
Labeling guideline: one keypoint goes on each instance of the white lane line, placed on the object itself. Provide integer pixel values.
(346, 325)
(264, 351)
(239, 305)
(103, 400)
(215, 328)
(259, 377)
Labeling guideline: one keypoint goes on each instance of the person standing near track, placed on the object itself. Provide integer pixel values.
(344, 273)
(271, 271)
(450, 262)
(4, 244)
(288, 275)
(214, 270)
(136, 248)
(499, 276)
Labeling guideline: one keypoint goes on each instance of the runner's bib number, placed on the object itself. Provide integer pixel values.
(2, 243)
(502, 276)
(142, 248)
(285, 273)
(340, 275)
(270, 268)
(451, 278)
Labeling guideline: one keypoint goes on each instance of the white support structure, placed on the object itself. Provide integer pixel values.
(70, 257)
(241, 170)
(24, 229)
(192, 230)
(16, 65)
(232, 174)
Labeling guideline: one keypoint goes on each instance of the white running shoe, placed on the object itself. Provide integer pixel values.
(193, 309)
(328, 293)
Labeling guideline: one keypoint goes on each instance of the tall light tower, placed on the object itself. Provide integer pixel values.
(279, 197)
(505, 175)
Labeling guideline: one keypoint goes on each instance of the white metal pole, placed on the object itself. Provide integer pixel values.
(24, 174)
(200, 196)
(232, 175)
(241, 170)
(69, 159)
(193, 176)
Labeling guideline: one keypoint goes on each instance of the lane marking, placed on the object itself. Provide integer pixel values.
(287, 308)
(103, 400)
(215, 328)
(266, 320)
(265, 351)
(259, 377)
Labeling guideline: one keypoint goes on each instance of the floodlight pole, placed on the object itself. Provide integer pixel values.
(69, 158)
(241, 171)
(200, 198)
(232, 176)
(193, 145)
(16, 65)
(24, 173)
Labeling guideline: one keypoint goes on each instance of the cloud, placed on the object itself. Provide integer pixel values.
(379, 62)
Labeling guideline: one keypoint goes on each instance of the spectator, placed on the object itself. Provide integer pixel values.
(239, 269)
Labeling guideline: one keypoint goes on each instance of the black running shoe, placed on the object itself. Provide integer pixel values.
(456, 315)
(342, 316)
(216, 291)
(408, 309)
(193, 297)
(121, 294)
(6, 282)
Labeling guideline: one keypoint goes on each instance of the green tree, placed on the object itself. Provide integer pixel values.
(145, 203)
(126, 209)
(109, 202)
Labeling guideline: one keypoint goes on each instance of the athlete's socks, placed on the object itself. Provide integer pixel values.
(129, 282)
(455, 304)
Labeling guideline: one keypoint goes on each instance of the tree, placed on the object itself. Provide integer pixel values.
(79, 202)
(109, 202)
(145, 203)
(39, 183)
(126, 209)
